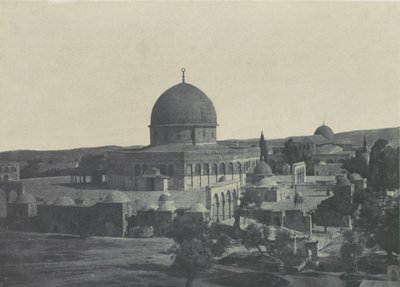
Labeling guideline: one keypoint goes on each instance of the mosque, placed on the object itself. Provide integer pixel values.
(183, 153)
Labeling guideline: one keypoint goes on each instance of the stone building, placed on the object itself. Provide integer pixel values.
(9, 171)
(183, 147)
(321, 146)
(359, 182)
(328, 169)
(343, 187)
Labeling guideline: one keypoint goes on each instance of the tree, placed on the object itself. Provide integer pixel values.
(282, 241)
(196, 244)
(357, 165)
(291, 152)
(387, 235)
(263, 148)
(240, 211)
(352, 248)
(190, 258)
(330, 212)
(89, 163)
(383, 166)
(255, 237)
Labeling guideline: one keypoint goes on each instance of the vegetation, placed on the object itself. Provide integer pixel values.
(358, 164)
(256, 236)
(196, 246)
(330, 212)
(291, 152)
(352, 248)
(383, 166)
(282, 240)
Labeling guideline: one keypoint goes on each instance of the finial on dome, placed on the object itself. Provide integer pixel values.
(183, 75)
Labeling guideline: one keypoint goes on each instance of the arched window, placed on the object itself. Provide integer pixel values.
(223, 206)
(171, 170)
(13, 169)
(230, 169)
(144, 168)
(215, 171)
(197, 169)
(215, 208)
(222, 170)
(229, 196)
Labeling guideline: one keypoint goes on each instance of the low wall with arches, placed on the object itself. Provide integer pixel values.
(222, 199)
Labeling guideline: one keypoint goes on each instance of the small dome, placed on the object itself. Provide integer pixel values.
(64, 201)
(25, 198)
(222, 178)
(262, 168)
(149, 207)
(268, 182)
(355, 176)
(325, 131)
(343, 181)
(197, 207)
(322, 162)
(116, 197)
(167, 206)
(183, 104)
(164, 197)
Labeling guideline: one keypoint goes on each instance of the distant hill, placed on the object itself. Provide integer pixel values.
(392, 135)
(355, 137)
(54, 155)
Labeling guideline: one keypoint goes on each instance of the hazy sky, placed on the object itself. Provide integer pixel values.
(88, 74)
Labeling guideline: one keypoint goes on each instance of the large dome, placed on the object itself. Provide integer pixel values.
(325, 131)
(183, 104)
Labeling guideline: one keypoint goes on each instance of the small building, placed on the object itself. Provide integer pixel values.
(343, 187)
(328, 169)
(359, 182)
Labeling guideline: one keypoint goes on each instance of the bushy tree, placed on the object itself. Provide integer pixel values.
(190, 258)
(282, 241)
(387, 234)
(383, 166)
(91, 162)
(291, 152)
(357, 165)
(352, 248)
(196, 244)
(330, 212)
(255, 236)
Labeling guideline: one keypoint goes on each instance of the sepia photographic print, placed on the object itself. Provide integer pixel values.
(199, 144)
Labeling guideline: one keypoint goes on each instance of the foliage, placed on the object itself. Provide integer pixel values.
(383, 166)
(352, 248)
(282, 241)
(89, 163)
(263, 148)
(256, 236)
(330, 211)
(291, 152)
(387, 235)
(357, 165)
(240, 211)
(190, 258)
(31, 170)
(196, 245)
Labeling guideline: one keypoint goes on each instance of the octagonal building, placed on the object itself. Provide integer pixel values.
(183, 152)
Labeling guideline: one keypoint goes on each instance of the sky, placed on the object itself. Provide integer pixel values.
(81, 74)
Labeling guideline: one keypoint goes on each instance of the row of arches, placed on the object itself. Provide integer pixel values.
(8, 169)
(207, 173)
(224, 205)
